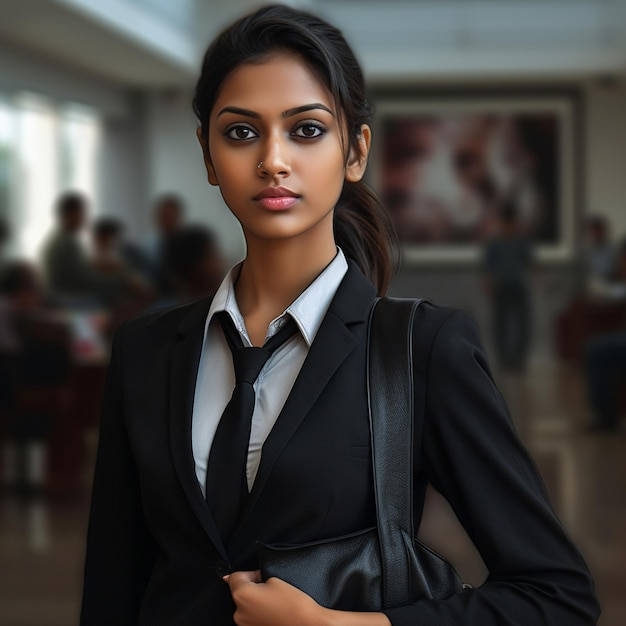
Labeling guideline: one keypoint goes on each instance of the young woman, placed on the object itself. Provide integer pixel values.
(284, 129)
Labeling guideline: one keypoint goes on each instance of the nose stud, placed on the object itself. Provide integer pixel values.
(260, 165)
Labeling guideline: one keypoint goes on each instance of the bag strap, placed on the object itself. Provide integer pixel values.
(391, 403)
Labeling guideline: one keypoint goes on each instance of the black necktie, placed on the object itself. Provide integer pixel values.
(226, 483)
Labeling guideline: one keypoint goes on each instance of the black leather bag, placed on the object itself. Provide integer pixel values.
(382, 567)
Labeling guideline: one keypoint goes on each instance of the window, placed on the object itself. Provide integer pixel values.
(45, 149)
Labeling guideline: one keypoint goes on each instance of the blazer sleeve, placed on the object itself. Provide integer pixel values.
(120, 550)
(473, 456)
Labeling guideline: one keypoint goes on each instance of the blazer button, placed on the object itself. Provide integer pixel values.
(222, 568)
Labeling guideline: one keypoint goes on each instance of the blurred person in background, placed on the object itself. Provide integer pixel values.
(70, 276)
(118, 261)
(34, 377)
(508, 258)
(605, 359)
(169, 217)
(126, 268)
(106, 235)
(197, 263)
(599, 254)
(135, 258)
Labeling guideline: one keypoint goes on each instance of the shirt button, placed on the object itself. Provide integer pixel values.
(222, 568)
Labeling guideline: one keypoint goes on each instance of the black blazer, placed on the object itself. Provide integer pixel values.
(154, 556)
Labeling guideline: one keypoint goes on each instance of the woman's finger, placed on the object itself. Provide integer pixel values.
(237, 579)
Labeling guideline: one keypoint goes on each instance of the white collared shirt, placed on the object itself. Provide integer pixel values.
(215, 380)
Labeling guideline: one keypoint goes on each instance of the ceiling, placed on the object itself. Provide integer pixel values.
(60, 33)
(129, 43)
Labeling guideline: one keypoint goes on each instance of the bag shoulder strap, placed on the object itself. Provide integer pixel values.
(391, 404)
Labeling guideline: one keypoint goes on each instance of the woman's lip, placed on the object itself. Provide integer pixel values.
(275, 192)
(277, 203)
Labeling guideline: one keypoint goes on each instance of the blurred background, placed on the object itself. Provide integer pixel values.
(499, 147)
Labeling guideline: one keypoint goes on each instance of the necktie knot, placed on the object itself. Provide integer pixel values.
(248, 363)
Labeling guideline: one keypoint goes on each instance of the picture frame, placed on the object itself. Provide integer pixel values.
(447, 165)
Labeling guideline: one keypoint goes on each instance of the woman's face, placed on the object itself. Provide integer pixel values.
(277, 114)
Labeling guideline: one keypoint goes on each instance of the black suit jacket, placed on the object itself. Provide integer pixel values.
(154, 556)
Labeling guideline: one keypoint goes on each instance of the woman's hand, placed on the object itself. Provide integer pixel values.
(273, 603)
(277, 603)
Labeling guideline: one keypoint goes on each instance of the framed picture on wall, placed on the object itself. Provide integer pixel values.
(446, 168)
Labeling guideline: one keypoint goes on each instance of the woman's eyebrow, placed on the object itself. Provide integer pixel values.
(238, 111)
(306, 107)
(285, 114)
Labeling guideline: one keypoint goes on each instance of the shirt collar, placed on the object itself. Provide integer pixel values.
(308, 309)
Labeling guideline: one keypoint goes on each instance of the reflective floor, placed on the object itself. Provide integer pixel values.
(41, 542)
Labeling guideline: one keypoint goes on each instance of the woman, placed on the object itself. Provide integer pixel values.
(285, 135)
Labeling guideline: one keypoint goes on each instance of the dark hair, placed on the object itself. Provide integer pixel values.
(170, 199)
(597, 222)
(108, 226)
(69, 202)
(362, 226)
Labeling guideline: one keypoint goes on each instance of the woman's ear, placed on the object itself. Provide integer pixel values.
(357, 160)
(207, 158)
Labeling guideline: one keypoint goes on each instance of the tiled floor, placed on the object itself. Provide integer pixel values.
(40, 563)
(41, 544)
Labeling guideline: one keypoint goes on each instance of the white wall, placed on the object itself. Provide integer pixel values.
(123, 184)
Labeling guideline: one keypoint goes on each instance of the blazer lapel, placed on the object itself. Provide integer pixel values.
(183, 370)
(332, 345)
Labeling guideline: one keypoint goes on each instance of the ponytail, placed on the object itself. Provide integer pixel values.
(365, 233)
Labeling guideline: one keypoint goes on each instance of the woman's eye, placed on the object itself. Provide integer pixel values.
(240, 133)
(309, 131)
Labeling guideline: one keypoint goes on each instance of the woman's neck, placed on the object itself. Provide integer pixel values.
(273, 275)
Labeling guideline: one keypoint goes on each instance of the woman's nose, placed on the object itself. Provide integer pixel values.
(275, 159)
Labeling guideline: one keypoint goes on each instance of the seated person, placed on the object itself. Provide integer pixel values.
(197, 265)
(110, 259)
(600, 257)
(70, 276)
(169, 219)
